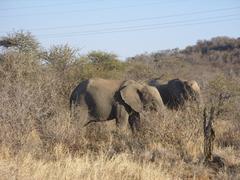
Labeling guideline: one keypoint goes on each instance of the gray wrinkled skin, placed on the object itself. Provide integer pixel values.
(113, 99)
(175, 93)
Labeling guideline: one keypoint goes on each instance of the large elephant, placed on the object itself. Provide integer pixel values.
(114, 99)
(175, 93)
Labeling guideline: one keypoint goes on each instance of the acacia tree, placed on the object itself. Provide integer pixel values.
(106, 62)
(20, 56)
(60, 57)
(21, 41)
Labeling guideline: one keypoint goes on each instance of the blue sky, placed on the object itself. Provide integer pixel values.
(123, 27)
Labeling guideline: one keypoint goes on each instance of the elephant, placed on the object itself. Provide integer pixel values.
(123, 101)
(176, 92)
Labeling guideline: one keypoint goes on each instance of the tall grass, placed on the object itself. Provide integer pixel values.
(39, 139)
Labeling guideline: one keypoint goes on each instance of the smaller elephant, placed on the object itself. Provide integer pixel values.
(113, 99)
(177, 92)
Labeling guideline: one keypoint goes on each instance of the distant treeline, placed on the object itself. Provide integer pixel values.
(221, 52)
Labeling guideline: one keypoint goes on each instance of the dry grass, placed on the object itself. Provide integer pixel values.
(39, 140)
(166, 149)
(85, 167)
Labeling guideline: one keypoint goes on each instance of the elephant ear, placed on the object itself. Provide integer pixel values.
(131, 95)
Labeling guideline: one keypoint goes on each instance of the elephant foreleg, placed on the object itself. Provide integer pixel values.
(134, 121)
(121, 117)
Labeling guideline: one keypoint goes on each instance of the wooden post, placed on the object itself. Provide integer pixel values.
(209, 134)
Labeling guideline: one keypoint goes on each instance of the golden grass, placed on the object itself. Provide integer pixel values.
(86, 167)
(39, 140)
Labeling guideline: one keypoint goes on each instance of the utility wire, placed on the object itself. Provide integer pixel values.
(152, 25)
(49, 5)
(87, 10)
(60, 4)
(136, 20)
(160, 26)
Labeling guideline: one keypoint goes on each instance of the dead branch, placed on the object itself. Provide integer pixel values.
(209, 134)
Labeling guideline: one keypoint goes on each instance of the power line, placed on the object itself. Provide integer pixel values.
(48, 5)
(137, 20)
(86, 10)
(152, 25)
(57, 4)
(160, 26)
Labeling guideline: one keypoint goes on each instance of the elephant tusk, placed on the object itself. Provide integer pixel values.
(89, 122)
